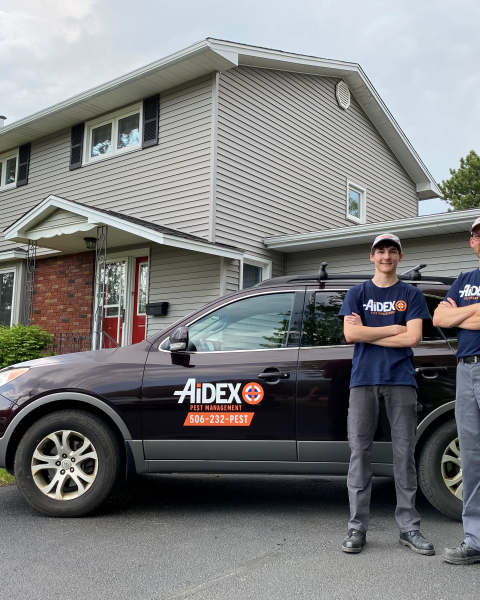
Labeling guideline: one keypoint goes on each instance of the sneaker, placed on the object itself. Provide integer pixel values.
(416, 541)
(463, 555)
(354, 541)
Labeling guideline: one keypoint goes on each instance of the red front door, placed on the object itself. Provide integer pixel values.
(140, 300)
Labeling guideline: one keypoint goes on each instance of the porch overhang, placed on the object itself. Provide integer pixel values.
(417, 227)
(66, 234)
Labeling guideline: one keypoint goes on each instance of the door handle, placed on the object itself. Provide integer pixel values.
(431, 372)
(274, 375)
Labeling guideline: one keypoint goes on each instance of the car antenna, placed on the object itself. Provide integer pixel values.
(415, 272)
(322, 273)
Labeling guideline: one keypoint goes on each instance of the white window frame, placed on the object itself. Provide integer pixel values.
(14, 294)
(3, 161)
(112, 118)
(363, 202)
(265, 265)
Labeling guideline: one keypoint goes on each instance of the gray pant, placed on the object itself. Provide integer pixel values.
(467, 414)
(401, 405)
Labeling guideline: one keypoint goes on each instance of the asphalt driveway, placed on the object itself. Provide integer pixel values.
(223, 537)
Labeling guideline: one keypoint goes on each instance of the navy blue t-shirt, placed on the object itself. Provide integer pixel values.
(379, 307)
(464, 291)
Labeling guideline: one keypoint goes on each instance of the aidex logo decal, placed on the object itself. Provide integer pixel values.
(385, 307)
(470, 291)
(218, 397)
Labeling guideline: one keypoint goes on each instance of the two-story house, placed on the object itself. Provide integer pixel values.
(199, 174)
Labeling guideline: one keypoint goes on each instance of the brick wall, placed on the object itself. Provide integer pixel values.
(63, 293)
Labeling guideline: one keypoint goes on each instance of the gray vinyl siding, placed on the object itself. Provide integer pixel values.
(233, 276)
(447, 255)
(168, 184)
(185, 279)
(58, 218)
(285, 150)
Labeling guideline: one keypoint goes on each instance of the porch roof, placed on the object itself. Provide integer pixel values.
(416, 227)
(79, 220)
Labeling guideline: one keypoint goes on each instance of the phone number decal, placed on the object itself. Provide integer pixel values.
(243, 419)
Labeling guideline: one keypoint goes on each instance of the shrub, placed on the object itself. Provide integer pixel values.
(21, 342)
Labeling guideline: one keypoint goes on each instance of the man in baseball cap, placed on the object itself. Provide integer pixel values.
(384, 318)
(461, 309)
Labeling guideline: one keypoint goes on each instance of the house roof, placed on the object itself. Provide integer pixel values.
(205, 57)
(416, 227)
(123, 230)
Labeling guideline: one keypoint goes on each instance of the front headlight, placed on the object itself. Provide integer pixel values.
(8, 376)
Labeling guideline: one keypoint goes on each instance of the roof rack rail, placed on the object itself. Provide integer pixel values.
(322, 276)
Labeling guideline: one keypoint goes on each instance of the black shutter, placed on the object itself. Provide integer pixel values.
(150, 121)
(23, 164)
(76, 147)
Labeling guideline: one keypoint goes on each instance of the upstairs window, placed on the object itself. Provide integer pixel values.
(356, 203)
(8, 170)
(113, 134)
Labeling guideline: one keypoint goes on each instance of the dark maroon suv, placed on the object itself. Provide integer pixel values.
(255, 382)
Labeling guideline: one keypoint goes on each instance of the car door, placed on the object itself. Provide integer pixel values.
(434, 360)
(323, 389)
(231, 395)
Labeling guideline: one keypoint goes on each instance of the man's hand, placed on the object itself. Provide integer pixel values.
(448, 314)
(354, 319)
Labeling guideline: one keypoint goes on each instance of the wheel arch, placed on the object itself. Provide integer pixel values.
(51, 403)
(437, 417)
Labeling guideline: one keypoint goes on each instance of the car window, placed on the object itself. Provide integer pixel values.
(430, 332)
(321, 325)
(255, 323)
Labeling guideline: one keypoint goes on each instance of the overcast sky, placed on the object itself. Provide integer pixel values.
(421, 55)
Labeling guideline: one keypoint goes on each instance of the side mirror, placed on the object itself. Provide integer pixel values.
(179, 339)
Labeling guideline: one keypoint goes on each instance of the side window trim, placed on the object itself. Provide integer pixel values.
(297, 313)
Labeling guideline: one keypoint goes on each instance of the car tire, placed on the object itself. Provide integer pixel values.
(439, 470)
(67, 463)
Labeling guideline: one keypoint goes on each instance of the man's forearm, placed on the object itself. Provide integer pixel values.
(453, 317)
(402, 340)
(472, 323)
(367, 335)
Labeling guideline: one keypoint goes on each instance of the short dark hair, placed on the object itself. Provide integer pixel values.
(384, 244)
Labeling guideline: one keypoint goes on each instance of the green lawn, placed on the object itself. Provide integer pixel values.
(5, 478)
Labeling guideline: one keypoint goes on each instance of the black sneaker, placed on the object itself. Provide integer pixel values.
(463, 555)
(416, 541)
(354, 542)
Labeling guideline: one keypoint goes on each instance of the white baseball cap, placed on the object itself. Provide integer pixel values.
(392, 238)
(477, 222)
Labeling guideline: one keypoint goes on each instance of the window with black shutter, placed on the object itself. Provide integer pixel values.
(76, 149)
(8, 169)
(150, 121)
(23, 164)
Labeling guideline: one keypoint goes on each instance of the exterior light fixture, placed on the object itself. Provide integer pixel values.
(90, 243)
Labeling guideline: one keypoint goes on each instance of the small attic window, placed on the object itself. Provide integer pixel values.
(343, 95)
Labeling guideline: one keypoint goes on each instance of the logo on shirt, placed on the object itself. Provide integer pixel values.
(385, 308)
(470, 291)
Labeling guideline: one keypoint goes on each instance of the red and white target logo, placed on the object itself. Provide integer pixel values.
(253, 393)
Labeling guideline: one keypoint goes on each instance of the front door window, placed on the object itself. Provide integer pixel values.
(114, 308)
(140, 300)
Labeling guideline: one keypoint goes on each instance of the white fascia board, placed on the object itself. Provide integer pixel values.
(12, 255)
(19, 230)
(429, 225)
(360, 86)
(190, 63)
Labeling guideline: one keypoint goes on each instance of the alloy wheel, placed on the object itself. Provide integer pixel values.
(64, 465)
(452, 469)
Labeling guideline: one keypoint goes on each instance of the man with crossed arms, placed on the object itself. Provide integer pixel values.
(461, 309)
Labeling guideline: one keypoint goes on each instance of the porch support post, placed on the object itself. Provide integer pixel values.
(100, 285)
(29, 283)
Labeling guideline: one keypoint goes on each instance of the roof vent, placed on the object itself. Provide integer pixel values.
(343, 95)
(2, 121)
